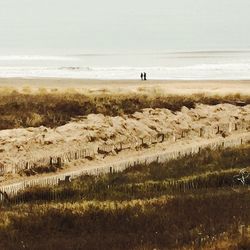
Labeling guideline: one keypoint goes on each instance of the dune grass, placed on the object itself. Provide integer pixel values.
(53, 109)
(164, 223)
(140, 208)
(207, 169)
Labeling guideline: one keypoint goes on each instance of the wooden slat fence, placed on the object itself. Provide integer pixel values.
(160, 157)
(132, 143)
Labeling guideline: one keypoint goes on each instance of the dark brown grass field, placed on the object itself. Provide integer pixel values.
(145, 207)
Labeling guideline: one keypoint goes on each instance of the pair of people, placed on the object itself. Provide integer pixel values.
(143, 76)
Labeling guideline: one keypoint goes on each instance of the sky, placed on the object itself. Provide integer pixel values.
(123, 26)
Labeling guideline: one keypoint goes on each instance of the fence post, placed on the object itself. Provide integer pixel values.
(162, 137)
(59, 162)
(174, 138)
(182, 134)
(142, 141)
(157, 159)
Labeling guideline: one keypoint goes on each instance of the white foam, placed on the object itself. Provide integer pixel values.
(225, 71)
(209, 65)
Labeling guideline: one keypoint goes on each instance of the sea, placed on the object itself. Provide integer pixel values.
(170, 65)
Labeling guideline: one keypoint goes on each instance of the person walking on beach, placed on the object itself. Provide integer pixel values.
(141, 76)
(145, 76)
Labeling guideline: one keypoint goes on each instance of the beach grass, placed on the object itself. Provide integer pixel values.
(52, 109)
(140, 208)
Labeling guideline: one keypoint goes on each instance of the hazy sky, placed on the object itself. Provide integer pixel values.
(124, 25)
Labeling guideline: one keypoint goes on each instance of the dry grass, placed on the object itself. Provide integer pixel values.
(136, 209)
(162, 223)
(28, 109)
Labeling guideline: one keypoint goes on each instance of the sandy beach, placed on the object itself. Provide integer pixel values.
(182, 87)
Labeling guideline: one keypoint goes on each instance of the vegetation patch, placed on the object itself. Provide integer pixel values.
(53, 109)
(191, 202)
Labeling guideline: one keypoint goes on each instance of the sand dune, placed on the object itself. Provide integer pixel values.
(101, 132)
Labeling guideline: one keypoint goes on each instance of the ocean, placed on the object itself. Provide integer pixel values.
(207, 39)
(202, 65)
